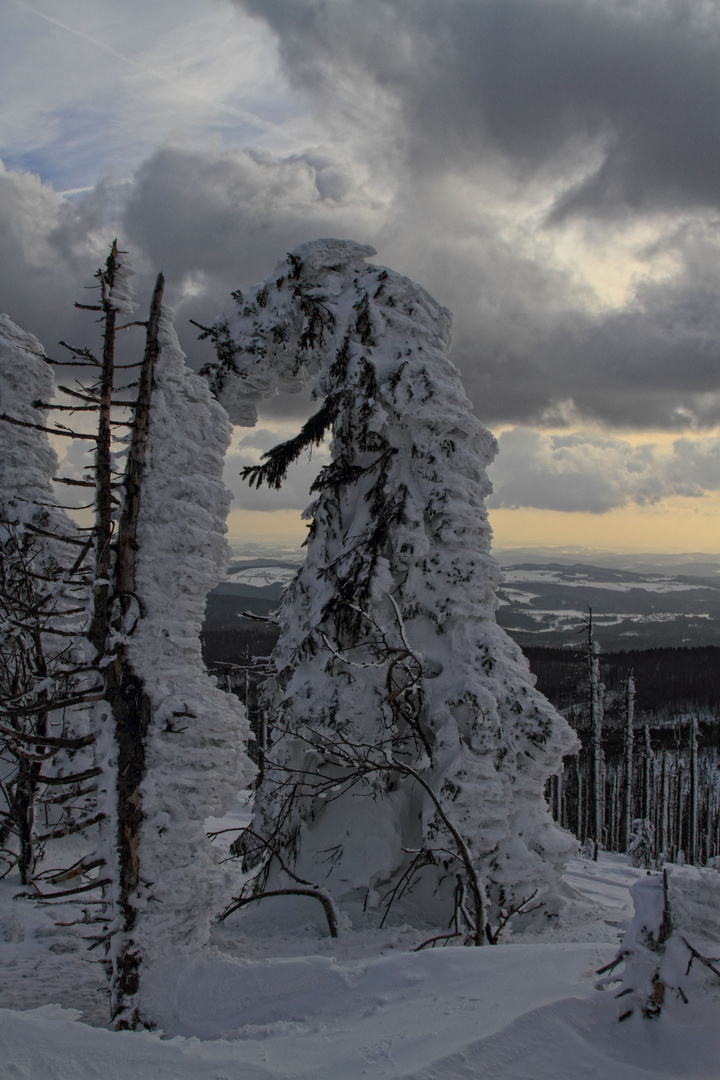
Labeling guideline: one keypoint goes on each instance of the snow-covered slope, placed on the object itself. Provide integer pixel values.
(512, 1012)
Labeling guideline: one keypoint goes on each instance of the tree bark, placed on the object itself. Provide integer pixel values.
(596, 721)
(98, 632)
(629, 738)
(693, 808)
(130, 705)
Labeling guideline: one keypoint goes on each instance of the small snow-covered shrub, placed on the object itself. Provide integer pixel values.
(642, 843)
(672, 947)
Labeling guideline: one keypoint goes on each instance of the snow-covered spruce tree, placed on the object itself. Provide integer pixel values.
(192, 733)
(46, 770)
(409, 747)
(169, 743)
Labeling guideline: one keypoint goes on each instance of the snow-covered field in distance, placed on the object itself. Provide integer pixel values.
(260, 576)
(581, 579)
(638, 601)
(548, 605)
(296, 1005)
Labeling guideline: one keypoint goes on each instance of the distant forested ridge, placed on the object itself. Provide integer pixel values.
(668, 682)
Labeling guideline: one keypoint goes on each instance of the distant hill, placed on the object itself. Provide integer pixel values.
(253, 585)
(541, 603)
(696, 564)
(548, 605)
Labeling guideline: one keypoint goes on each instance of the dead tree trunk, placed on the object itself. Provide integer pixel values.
(104, 507)
(679, 816)
(130, 706)
(629, 737)
(596, 720)
(665, 807)
(692, 852)
(647, 768)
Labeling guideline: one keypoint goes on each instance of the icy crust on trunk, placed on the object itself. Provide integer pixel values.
(195, 762)
(389, 654)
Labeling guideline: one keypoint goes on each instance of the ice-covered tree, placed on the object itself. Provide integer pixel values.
(166, 744)
(192, 733)
(409, 746)
(169, 742)
(45, 682)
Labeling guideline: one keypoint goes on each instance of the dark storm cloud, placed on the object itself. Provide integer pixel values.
(523, 338)
(629, 91)
(50, 249)
(528, 344)
(528, 347)
(653, 364)
(39, 253)
(232, 215)
(216, 222)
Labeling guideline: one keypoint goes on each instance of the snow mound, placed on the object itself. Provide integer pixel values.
(694, 897)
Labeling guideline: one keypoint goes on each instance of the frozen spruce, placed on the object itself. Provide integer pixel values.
(44, 610)
(28, 462)
(194, 762)
(409, 748)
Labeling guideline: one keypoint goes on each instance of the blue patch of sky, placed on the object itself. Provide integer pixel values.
(89, 143)
(81, 149)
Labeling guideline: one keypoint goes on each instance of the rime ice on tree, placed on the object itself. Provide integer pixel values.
(44, 600)
(409, 746)
(194, 760)
(118, 627)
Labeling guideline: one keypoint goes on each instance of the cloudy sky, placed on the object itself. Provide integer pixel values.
(548, 169)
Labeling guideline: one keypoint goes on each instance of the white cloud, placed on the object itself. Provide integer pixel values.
(594, 473)
(90, 88)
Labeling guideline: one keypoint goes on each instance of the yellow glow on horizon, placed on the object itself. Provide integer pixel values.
(266, 526)
(673, 526)
(676, 525)
(660, 438)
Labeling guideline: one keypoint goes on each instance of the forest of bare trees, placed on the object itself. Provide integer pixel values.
(643, 783)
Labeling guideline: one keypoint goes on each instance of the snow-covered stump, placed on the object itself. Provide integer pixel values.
(669, 955)
(409, 747)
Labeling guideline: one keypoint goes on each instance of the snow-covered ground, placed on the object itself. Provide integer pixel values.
(262, 576)
(290, 1002)
(569, 580)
